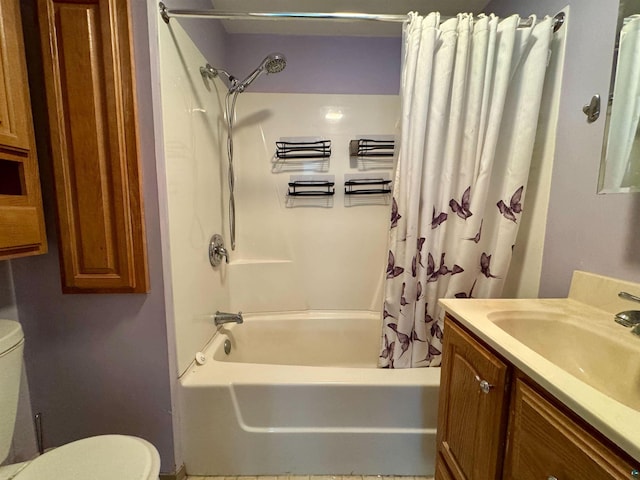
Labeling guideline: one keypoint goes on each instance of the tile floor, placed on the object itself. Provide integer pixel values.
(315, 477)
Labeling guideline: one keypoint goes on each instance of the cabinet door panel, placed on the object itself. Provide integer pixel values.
(91, 98)
(96, 219)
(545, 443)
(471, 423)
(15, 114)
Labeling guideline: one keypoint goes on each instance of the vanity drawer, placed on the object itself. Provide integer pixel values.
(544, 443)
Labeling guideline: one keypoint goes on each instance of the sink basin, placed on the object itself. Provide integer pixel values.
(606, 359)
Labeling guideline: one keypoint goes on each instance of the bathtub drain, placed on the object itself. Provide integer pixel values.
(227, 347)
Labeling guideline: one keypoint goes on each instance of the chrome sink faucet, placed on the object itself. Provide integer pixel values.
(629, 318)
(221, 318)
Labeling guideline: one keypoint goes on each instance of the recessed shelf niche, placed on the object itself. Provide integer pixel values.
(11, 178)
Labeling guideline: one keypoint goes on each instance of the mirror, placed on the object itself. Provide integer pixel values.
(620, 164)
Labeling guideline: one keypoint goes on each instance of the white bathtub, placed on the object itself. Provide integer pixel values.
(300, 393)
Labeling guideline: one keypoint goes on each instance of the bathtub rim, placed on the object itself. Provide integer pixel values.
(218, 373)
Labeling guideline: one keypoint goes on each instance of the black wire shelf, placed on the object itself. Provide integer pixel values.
(368, 147)
(303, 150)
(311, 188)
(367, 186)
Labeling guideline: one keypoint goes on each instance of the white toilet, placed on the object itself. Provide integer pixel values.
(104, 457)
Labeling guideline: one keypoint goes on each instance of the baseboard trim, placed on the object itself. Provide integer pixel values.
(181, 474)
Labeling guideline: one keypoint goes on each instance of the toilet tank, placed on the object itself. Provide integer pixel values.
(11, 346)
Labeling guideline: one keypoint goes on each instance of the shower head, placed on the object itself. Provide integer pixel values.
(275, 63)
(272, 63)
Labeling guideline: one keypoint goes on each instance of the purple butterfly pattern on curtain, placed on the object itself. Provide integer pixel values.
(403, 300)
(404, 339)
(387, 351)
(437, 220)
(442, 269)
(395, 216)
(465, 294)
(427, 318)
(417, 259)
(485, 265)
(432, 352)
(514, 205)
(436, 331)
(476, 238)
(462, 209)
(414, 335)
(392, 270)
(385, 312)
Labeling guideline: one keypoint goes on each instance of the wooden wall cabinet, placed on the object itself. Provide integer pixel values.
(89, 74)
(22, 230)
(545, 439)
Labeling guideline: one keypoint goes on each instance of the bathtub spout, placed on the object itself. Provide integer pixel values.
(222, 317)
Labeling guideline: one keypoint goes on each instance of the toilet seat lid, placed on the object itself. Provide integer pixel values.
(104, 457)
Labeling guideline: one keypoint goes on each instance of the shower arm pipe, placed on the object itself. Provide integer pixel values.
(167, 13)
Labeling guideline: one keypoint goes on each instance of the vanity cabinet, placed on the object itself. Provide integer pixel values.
(90, 86)
(22, 230)
(473, 413)
(540, 439)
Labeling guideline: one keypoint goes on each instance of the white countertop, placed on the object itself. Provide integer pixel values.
(618, 422)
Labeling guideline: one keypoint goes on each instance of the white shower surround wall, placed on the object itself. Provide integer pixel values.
(298, 395)
(193, 138)
(287, 259)
(308, 257)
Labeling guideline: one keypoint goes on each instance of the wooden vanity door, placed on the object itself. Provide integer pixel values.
(546, 443)
(471, 422)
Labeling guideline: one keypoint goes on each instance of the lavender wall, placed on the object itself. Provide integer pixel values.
(318, 64)
(208, 35)
(315, 64)
(96, 363)
(585, 231)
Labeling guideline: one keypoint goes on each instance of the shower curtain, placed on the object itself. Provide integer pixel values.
(622, 162)
(470, 92)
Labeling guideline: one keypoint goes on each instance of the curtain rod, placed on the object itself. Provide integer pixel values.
(220, 15)
(168, 13)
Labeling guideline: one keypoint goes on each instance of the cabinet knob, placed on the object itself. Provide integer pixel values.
(485, 386)
(635, 473)
(551, 477)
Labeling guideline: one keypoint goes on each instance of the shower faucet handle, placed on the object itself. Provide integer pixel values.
(217, 250)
